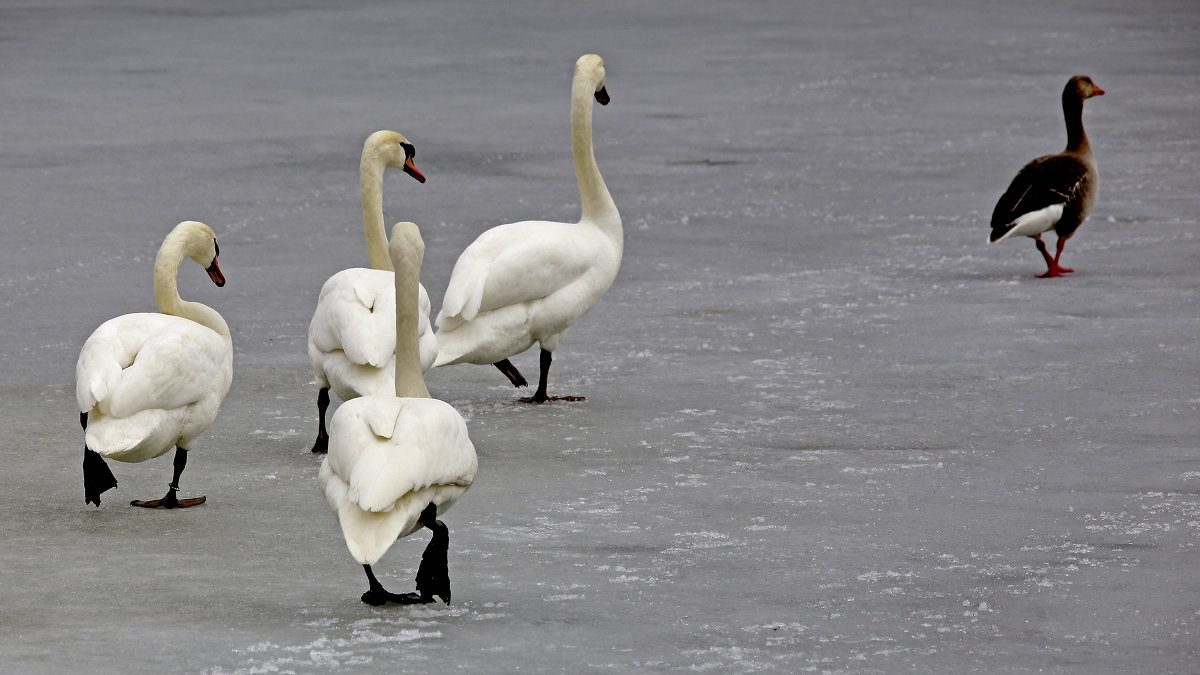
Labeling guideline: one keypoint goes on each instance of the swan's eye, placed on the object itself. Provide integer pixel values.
(409, 150)
(216, 249)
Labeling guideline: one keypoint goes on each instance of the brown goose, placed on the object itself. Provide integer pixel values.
(1054, 192)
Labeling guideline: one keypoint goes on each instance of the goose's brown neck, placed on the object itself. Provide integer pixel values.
(1077, 140)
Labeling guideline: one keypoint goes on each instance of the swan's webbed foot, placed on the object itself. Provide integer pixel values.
(378, 596)
(545, 399)
(170, 501)
(97, 478)
(321, 445)
(510, 371)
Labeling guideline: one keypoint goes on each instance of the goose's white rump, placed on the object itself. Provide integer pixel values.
(150, 382)
(390, 457)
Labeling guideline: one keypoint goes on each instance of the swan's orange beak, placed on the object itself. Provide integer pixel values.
(214, 273)
(411, 169)
(602, 96)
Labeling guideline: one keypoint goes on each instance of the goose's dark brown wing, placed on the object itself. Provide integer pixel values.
(1046, 181)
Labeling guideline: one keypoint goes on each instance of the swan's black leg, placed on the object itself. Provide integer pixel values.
(171, 501)
(321, 445)
(510, 371)
(97, 478)
(433, 576)
(540, 396)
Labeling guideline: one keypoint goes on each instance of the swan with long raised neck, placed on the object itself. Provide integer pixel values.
(527, 282)
(146, 382)
(396, 461)
(1053, 192)
(350, 340)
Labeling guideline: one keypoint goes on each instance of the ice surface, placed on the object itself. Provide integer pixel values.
(827, 429)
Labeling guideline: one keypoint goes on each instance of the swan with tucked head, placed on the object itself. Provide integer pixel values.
(527, 282)
(148, 382)
(350, 340)
(396, 461)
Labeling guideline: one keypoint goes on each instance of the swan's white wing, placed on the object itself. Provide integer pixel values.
(388, 458)
(384, 448)
(356, 314)
(356, 318)
(147, 361)
(515, 263)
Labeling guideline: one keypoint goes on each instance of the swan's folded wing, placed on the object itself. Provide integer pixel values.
(356, 314)
(173, 368)
(386, 447)
(512, 264)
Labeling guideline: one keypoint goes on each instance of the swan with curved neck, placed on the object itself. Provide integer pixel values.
(148, 382)
(528, 282)
(350, 340)
(396, 461)
(1053, 192)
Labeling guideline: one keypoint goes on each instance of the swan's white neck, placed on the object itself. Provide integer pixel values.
(370, 182)
(166, 290)
(598, 206)
(407, 250)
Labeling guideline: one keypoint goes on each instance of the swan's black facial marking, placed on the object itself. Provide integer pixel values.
(214, 270)
(409, 168)
(602, 96)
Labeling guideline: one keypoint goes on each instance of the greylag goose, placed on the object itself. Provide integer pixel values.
(1054, 192)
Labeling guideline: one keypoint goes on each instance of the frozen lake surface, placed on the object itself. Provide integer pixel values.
(827, 429)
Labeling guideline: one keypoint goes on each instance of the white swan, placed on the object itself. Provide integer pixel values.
(350, 338)
(148, 382)
(395, 462)
(527, 282)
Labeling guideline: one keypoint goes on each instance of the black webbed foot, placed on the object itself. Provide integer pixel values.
(97, 478)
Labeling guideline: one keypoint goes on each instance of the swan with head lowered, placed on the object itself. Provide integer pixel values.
(527, 282)
(350, 338)
(1053, 192)
(396, 461)
(148, 382)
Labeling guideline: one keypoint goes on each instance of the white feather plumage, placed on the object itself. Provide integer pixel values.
(527, 282)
